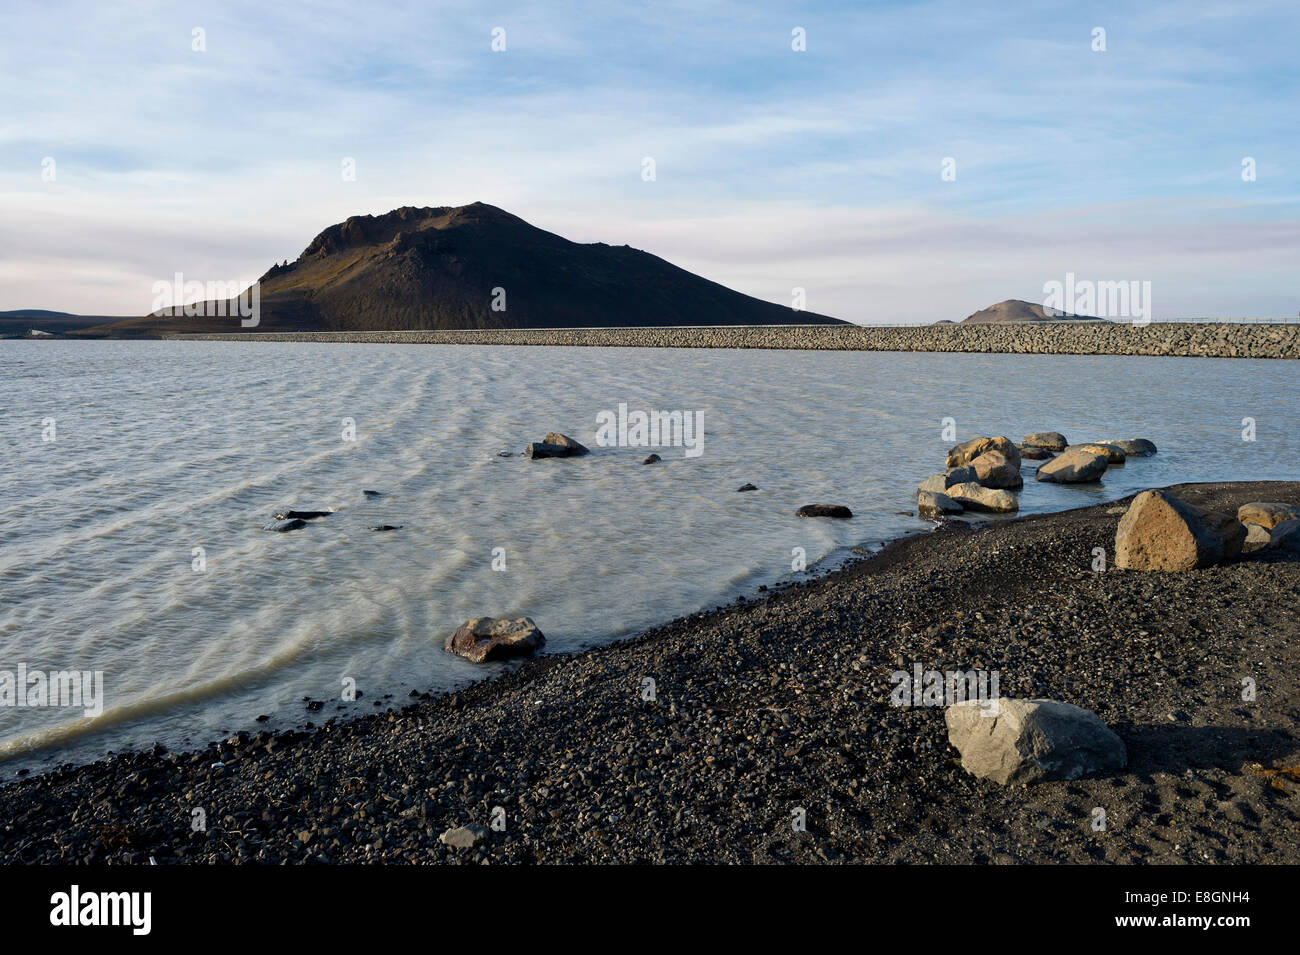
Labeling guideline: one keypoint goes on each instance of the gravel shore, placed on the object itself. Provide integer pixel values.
(1180, 339)
(771, 705)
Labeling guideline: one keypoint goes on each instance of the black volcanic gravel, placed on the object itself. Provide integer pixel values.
(772, 705)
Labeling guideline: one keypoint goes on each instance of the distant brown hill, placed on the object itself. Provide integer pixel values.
(1015, 310)
(438, 268)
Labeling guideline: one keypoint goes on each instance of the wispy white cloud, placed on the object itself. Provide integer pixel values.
(775, 168)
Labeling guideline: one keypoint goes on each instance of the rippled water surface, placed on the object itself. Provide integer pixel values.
(163, 447)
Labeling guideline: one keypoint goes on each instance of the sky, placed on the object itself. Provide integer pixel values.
(133, 148)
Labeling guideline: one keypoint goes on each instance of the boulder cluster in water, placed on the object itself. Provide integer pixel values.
(982, 473)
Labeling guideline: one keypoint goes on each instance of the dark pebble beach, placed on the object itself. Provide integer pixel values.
(773, 709)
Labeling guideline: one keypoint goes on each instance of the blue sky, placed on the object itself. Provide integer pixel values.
(774, 168)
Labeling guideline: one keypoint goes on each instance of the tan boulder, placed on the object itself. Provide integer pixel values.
(1161, 532)
(1267, 515)
(992, 469)
(968, 451)
(942, 480)
(1047, 440)
(977, 497)
(1073, 466)
(1114, 453)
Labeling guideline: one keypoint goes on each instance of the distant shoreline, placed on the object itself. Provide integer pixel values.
(1172, 339)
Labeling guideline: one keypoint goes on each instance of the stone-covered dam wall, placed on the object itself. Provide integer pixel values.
(1181, 339)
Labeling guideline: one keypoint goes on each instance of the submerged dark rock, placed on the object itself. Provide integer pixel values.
(285, 525)
(824, 510)
(556, 445)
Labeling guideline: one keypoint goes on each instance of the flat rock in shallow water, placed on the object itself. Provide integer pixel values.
(490, 638)
(1135, 447)
(824, 510)
(1074, 466)
(1018, 742)
(1161, 532)
(976, 497)
(1046, 440)
(1266, 514)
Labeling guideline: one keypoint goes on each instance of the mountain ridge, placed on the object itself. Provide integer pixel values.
(473, 266)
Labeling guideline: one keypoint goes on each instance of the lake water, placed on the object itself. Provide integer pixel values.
(160, 448)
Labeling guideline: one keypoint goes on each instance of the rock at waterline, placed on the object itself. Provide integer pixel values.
(993, 469)
(1267, 514)
(556, 445)
(824, 510)
(652, 459)
(1019, 742)
(1161, 532)
(1074, 466)
(935, 504)
(301, 515)
(1114, 454)
(940, 482)
(1031, 453)
(1286, 537)
(282, 526)
(746, 487)
(968, 451)
(977, 497)
(1135, 447)
(490, 638)
(1046, 440)
(464, 837)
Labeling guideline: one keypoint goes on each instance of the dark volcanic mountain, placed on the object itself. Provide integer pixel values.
(438, 268)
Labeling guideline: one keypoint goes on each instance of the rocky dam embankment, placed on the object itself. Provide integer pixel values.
(1177, 339)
